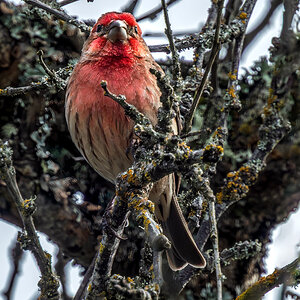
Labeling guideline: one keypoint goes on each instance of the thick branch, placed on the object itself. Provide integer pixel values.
(266, 284)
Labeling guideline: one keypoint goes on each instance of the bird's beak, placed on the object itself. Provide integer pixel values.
(117, 31)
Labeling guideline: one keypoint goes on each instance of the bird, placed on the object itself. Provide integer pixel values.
(115, 52)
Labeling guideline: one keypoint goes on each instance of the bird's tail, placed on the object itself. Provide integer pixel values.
(184, 249)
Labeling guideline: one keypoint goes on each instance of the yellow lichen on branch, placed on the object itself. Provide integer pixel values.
(258, 289)
(265, 284)
(231, 92)
(243, 16)
(237, 184)
(232, 76)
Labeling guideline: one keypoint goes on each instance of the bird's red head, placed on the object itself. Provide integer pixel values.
(116, 34)
(105, 21)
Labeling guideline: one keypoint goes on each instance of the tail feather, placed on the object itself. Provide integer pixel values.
(176, 262)
(184, 249)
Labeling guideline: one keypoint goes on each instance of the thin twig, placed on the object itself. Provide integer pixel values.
(35, 86)
(60, 271)
(40, 54)
(262, 25)
(48, 284)
(66, 2)
(214, 52)
(59, 14)
(16, 255)
(81, 290)
(176, 33)
(152, 14)
(175, 57)
(215, 243)
(131, 6)
(290, 8)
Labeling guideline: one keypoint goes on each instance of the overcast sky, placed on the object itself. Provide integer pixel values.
(186, 15)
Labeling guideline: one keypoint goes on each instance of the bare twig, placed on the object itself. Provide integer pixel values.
(53, 79)
(290, 8)
(175, 33)
(29, 239)
(40, 54)
(131, 6)
(16, 255)
(59, 14)
(292, 294)
(60, 271)
(264, 22)
(66, 2)
(175, 57)
(85, 281)
(152, 14)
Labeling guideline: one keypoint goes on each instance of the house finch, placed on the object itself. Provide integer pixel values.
(116, 52)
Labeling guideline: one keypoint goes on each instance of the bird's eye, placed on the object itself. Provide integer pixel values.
(136, 30)
(99, 28)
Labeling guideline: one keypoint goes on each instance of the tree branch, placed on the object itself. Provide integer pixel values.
(176, 70)
(264, 22)
(131, 6)
(29, 240)
(59, 14)
(16, 255)
(34, 86)
(266, 284)
(152, 14)
(66, 2)
(114, 221)
(214, 52)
